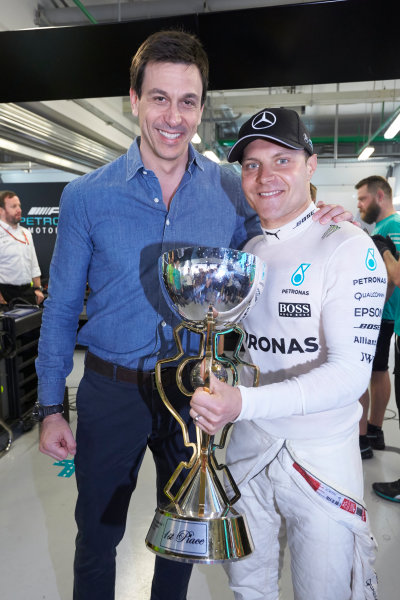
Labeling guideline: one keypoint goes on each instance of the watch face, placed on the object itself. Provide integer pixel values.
(36, 412)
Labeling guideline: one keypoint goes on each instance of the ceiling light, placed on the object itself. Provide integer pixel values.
(43, 157)
(393, 129)
(211, 155)
(366, 153)
(196, 139)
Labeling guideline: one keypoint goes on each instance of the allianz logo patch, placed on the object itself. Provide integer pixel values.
(294, 309)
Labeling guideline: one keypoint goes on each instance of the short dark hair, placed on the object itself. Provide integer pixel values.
(169, 46)
(4, 195)
(313, 192)
(375, 183)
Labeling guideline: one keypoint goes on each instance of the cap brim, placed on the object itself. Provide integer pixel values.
(236, 152)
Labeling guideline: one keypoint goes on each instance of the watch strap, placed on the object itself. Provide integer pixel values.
(41, 411)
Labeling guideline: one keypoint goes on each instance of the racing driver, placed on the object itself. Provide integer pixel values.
(294, 450)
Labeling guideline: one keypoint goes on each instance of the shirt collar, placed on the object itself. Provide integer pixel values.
(135, 163)
(196, 158)
(134, 160)
(298, 225)
(8, 226)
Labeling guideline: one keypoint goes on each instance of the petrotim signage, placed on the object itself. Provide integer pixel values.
(41, 220)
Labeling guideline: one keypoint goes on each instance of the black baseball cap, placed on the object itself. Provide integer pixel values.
(281, 125)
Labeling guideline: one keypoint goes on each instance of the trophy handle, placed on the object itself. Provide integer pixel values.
(186, 440)
(175, 414)
(226, 361)
(222, 467)
(256, 376)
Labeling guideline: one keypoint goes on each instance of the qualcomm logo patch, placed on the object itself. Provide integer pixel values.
(263, 120)
(298, 276)
(370, 261)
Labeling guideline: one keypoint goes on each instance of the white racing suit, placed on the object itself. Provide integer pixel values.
(294, 448)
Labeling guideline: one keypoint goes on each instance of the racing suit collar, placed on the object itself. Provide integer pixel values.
(298, 225)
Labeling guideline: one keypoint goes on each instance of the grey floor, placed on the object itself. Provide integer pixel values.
(37, 528)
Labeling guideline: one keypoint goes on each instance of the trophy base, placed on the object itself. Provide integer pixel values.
(197, 539)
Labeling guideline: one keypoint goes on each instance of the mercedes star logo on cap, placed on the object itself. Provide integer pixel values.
(263, 120)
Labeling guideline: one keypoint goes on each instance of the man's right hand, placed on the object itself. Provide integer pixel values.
(56, 438)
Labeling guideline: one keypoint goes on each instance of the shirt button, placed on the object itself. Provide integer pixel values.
(144, 172)
(167, 222)
(156, 200)
(163, 324)
(158, 353)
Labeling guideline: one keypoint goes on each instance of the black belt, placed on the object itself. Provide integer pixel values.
(118, 373)
(22, 286)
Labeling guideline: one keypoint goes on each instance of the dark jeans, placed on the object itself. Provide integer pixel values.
(381, 359)
(116, 422)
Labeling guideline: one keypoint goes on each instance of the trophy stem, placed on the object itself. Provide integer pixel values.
(209, 354)
(205, 441)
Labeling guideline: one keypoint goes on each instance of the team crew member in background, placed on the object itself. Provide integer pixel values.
(390, 490)
(165, 195)
(19, 267)
(376, 206)
(294, 450)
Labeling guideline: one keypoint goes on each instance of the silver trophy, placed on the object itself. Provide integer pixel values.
(210, 290)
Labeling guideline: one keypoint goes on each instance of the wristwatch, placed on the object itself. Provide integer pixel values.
(40, 411)
(38, 287)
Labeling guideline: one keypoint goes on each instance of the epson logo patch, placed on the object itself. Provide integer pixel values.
(294, 309)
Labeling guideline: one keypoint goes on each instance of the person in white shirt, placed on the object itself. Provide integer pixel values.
(19, 268)
(294, 447)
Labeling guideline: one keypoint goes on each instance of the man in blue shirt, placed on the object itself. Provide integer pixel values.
(114, 224)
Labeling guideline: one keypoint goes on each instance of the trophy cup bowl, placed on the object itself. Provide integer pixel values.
(194, 278)
(209, 290)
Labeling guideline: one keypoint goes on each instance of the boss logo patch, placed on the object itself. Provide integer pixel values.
(294, 309)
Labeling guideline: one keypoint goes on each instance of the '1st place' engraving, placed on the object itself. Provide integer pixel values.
(188, 537)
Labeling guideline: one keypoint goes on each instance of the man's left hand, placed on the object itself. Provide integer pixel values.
(332, 212)
(39, 296)
(214, 409)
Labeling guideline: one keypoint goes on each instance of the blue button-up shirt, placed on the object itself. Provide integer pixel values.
(113, 227)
